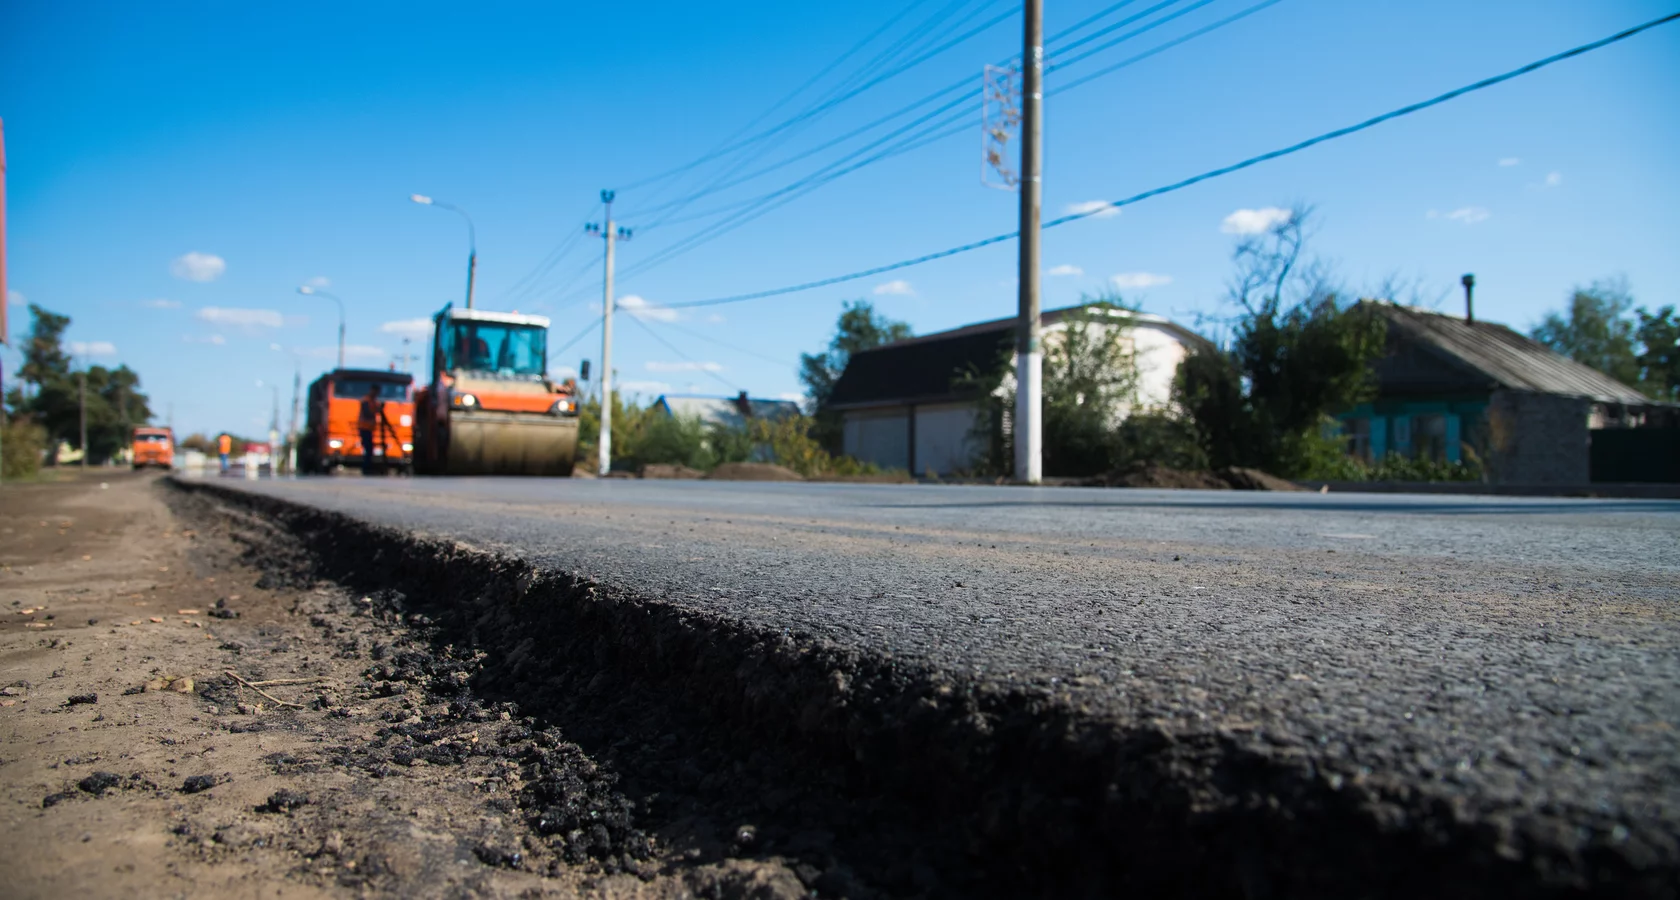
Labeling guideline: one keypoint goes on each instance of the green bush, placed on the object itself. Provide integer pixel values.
(22, 444)
(1158, 438)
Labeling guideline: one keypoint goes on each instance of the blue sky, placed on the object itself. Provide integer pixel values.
(176, 170)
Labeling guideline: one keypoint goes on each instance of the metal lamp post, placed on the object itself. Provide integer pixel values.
(317, 292)
(472, 237)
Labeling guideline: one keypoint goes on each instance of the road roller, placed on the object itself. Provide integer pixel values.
(491, 408)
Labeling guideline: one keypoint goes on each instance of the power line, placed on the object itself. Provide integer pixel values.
(526, 285)
(1081, 57)
(698, 366)
(961, 85)
(796, 119)
(755, 208)
(810, 82)
(1205, 176)
(575, 338)
(725, 344)
(1185, 38)
(718, 186)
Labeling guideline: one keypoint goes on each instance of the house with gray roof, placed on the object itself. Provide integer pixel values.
(1453, 388)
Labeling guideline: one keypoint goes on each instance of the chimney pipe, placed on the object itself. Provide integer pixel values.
(1469, 282)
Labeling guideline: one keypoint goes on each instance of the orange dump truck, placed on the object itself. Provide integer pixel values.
(331, 438)
(153, 447)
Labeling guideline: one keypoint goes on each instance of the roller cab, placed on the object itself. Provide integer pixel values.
(491, 408)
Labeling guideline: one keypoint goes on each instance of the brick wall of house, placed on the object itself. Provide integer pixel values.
(1537, 438)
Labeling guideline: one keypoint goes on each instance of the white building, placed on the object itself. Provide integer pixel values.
(905, 405)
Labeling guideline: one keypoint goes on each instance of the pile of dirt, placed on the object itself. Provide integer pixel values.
(1255, 480)
(663, 470)
(1153, 476)
(1146, 475)
(751, 471)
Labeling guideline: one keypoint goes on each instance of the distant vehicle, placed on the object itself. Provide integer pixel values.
(153, 447)
(491, 408)
(331, 439)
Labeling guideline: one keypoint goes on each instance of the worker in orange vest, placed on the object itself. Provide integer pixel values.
(224, 445)
(367, 422)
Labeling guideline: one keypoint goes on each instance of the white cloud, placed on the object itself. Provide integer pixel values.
(684, 367)
(715, 319)
(208, 339)
(1509, 161)
(1469, 215)
(319, 281)
(795, 396)
(1096, 209)
(1255, 221)
(417, 329)
(643, 387)
(15, 298)
(896, 287)
(161, 303)
(92, 348)
(1058, 271)
(647, 312)
(196, 266)
(241, 318)
(1553, 179)
(1139, 280)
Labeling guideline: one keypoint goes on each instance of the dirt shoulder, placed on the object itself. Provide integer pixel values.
(353, 761)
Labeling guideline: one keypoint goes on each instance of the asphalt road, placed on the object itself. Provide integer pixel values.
(1518, 656)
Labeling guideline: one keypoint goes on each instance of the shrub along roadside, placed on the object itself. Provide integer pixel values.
(645, 435)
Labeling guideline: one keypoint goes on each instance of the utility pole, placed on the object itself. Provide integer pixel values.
(613, 234)
(82, 393)
(1029, 354)
(292, 433)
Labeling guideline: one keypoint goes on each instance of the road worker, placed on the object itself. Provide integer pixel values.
(367, 422)
(224, 446)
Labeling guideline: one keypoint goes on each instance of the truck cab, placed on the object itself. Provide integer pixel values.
(331, 439)
(153, 447)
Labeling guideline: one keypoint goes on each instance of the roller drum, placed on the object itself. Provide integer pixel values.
(487, 443)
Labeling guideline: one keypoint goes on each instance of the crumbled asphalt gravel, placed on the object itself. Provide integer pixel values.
(1241, 698)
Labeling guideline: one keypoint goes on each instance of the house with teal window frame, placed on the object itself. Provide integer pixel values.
(1451, 386)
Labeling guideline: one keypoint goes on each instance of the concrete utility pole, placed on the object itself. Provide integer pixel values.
(1029, 354)
(82, 393)
(613, 234)
(292, 433)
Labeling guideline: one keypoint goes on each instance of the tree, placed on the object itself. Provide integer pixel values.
(1090, 385)
(114, 403)
(1298, 353)
(1595, 330)
(1659, 359)
(860, 327)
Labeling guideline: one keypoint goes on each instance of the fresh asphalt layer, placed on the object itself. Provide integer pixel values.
(1516, 657)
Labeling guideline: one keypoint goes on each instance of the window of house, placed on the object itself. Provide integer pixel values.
(1357, 434)
(1429, 437)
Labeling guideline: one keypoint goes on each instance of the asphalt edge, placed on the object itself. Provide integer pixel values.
(1046, 801)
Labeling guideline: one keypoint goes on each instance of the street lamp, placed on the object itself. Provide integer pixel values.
(297, 388)
(472, 237)
(317, 292)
